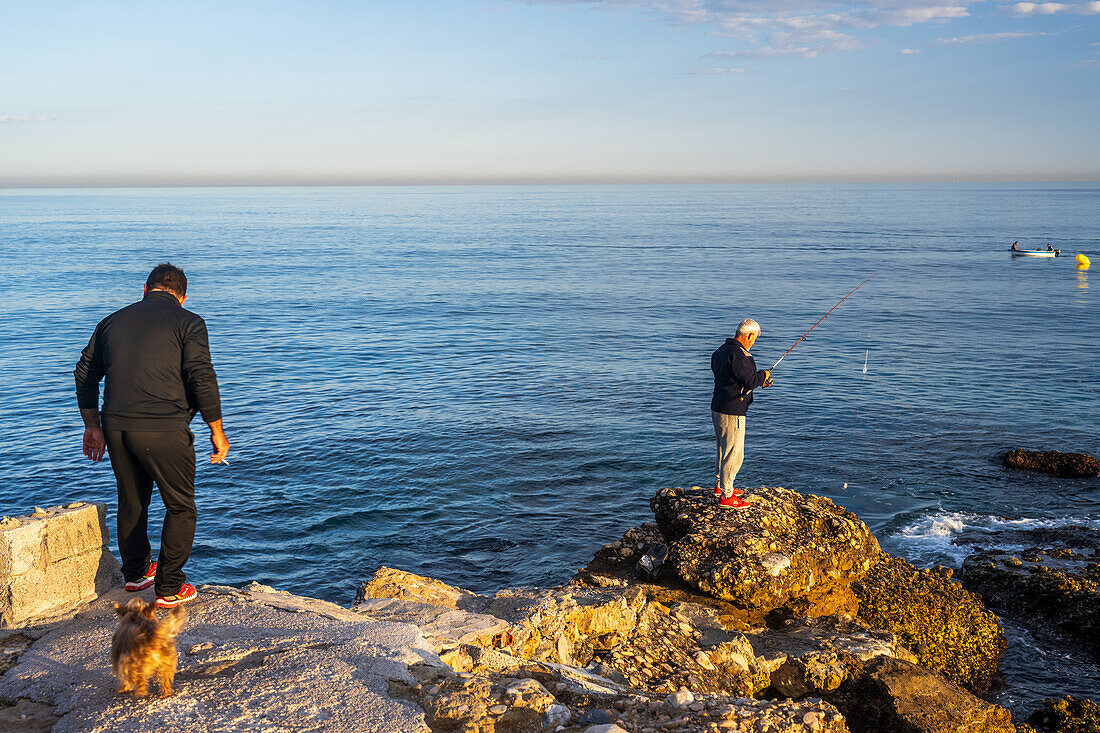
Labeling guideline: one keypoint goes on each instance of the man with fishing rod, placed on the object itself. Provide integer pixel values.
(735, 377)
(155, 357)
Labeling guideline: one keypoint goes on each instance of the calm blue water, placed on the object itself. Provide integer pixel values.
(484, 384)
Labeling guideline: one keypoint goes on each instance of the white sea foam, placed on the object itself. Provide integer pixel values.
(948, 537)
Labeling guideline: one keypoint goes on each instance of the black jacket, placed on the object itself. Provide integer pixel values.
(735, 375)
(155, 356)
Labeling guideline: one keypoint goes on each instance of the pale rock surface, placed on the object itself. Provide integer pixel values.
(445, 627)
(552, 625)
(252, 659)
(392, 583)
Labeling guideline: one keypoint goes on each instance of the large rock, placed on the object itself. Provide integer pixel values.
(1056, 586)
(1066, 465)
(559, 624)
(948, 628)
(52, 561)
(790, 553)
(888, 695)
(1066, 716)
(552, 624)
(534, 699)
(812, 656)
(406, 586)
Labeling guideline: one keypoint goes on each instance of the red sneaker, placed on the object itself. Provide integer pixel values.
(146, 580)
(718, 491)
(732, 502)
(187, 593)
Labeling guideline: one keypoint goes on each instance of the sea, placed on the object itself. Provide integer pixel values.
(485, 384)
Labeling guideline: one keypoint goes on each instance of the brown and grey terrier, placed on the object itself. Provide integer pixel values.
(144, 646)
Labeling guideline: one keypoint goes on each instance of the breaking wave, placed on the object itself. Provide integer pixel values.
(946, 538)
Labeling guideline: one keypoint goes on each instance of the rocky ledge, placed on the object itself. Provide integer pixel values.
(794, 555)
(786, 618)
(1065, 465)
(1056, 583)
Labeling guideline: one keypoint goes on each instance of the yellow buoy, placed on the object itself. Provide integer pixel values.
(1083, 262)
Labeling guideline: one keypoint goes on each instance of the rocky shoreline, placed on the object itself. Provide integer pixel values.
(786, 617)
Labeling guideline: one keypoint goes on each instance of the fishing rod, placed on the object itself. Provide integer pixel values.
(796, 343)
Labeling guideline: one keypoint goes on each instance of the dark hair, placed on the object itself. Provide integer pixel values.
(167, 277)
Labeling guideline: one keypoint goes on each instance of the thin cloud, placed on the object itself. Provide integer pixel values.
(807, 44)
(18, 119)
(908, 51)
(1087, 64)
(787, 28)
(716, 71)
(983, 38)
(1026, 9)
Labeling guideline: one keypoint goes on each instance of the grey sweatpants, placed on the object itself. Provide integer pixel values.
(729, 431)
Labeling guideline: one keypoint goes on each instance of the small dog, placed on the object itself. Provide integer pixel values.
(144, 646)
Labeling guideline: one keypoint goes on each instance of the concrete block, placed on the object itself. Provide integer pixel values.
(53, 561)
(22, 548)
(75, 532)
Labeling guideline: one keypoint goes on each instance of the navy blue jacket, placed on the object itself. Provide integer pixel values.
(156, 359)
(735, 376)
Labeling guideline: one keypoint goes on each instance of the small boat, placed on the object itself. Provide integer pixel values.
(1035, 252)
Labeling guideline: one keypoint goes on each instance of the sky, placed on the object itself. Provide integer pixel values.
(546, 91)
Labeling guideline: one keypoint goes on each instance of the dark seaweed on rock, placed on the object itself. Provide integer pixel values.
(1056, 586)
(1066, 716)
(948, 628)
(1065, 465)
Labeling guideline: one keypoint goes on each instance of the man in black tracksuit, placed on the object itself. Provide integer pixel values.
(735, 377)
(155, 357)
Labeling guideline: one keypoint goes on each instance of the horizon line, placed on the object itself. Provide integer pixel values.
(248, 182)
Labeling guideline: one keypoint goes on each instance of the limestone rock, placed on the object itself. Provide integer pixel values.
(391, 583)
(811, 656)
(558, 624)
(471, 702)
(444, 627)
(680, 699)
(1054, 585)
(1065, 465)
(790, 553)
(1066, 716)
(888, 695)
(948, 628)
(817, 674)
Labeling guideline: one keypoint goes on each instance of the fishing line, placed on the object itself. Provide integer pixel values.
(819, 320)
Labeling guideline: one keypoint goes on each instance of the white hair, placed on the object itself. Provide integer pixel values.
(748, 326)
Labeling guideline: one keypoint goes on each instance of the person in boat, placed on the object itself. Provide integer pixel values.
(1050, 248)
(1016, 246)
(735, 377)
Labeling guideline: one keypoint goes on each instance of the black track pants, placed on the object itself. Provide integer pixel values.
(138, 459)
